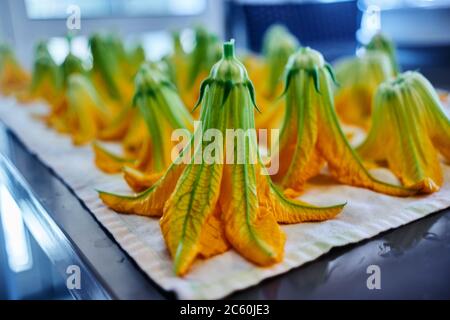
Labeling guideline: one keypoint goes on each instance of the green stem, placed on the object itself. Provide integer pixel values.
(228, 49)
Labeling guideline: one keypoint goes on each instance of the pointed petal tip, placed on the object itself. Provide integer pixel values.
(427, 185)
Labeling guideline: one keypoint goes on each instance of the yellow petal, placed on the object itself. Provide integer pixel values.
(408, 126)
(187, 211)
(250, 226)
(343, 162)
(411, 154)
(147, 203)
(107, 161)
(298, 156)
(213, 240)
(139, 181)
(295, 211)
(136, 133)
(118, 127)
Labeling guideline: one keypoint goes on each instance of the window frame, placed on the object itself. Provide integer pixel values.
(116, 15)
(34, 30)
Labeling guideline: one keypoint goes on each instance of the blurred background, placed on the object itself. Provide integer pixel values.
(334, 27)
(420, 29)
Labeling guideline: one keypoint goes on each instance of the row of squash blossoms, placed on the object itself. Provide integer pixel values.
(207, 208)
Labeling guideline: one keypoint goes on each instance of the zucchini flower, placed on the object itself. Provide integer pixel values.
(208, 206)
(198, 57)
(72, 65)
(278, 46)
(311, 135)
(46, 82)
(380, 42)
(203, 55)
(13, 78)
(41, 48)
(86, 114)
(161, 112)
(271, 108)
(112, 75)
(267, 74)
(59, 113)
(179, 70)
(177, 62)
(109, 67)
(409, 129)
(359, 78)
(188, 69)
(137, 133)
(135, 56)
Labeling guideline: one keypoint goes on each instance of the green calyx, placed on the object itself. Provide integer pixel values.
(380, 42)
(309, 61)
(371, 65)
(278, 39)
(229, 68)
(200, 56)
(149, 79)
(106, 53)
(306, 58)
(107, 46)
(176, 39)
(228, 72)
(404, 82)
(41, 49)
(44, 62)
(45, 66)
(5, 51)
(279, 44)
(6, 54)
(72, 65)
(136, 55)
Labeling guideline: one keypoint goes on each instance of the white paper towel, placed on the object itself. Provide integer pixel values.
(367, 213)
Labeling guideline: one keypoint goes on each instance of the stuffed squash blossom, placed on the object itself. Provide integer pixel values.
(205, 207)
(278, 45)
(47, 81)
(359, 78)
(13, 78)
(58, 117)
(409, 129)
(311, 135)
(189, 69)
(113, 79)
(381, 42)
(86, 113)
(162, 111)
(267, 72)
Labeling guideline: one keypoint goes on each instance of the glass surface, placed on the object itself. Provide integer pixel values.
(36, 259)
(26, 272)
(54, 9)
(66, 233)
